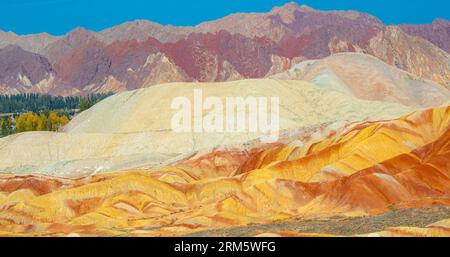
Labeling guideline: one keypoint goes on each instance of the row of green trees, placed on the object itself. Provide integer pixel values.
(36, 103)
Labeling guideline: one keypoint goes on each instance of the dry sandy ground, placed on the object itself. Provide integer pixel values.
(415, 217)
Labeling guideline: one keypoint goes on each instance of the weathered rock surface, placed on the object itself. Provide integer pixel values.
(22, 71)
(437, 32)
(240, 46)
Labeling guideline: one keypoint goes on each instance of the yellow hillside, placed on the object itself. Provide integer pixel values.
(342, 174)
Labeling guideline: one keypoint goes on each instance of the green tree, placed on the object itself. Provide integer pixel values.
(85, 104)
(5, 127)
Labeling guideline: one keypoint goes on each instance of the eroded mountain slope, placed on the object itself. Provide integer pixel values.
(365, 169)
(240, 46)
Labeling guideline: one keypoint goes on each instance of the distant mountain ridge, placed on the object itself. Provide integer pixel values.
(243, 45)
(437, 33)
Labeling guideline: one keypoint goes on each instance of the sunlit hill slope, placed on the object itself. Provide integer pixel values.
(366, 168)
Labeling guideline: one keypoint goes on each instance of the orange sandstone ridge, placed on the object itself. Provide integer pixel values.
(368, 169)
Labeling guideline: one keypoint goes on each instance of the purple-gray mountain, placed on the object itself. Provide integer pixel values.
(141, 53)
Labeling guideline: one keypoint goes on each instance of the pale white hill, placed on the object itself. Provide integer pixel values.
(368, 78)
(132, 129)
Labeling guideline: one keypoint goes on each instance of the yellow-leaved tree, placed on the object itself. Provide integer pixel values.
(43, 122)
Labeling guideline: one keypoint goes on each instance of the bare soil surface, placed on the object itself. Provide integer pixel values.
(415, 217)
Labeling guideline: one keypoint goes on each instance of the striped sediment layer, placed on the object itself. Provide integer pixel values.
(368, 168)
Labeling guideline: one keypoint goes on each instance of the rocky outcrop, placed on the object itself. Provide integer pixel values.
(22, 71)
(437, 32)
(412, 54)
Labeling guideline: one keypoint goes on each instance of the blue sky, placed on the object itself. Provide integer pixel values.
(59, 16)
